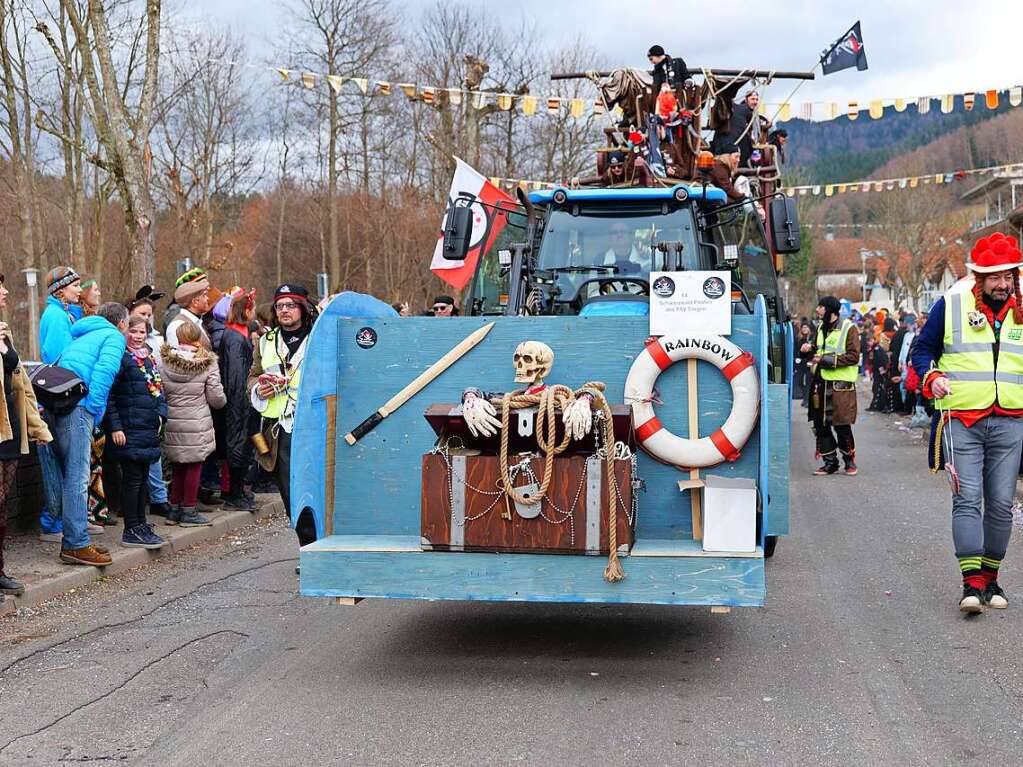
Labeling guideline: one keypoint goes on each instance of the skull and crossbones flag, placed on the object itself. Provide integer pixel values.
(488, 204)
(846, 52)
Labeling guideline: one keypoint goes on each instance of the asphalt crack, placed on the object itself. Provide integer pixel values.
(140, 617)
(121, 685)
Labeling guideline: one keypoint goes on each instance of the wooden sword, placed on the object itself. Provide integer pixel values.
(421, 382)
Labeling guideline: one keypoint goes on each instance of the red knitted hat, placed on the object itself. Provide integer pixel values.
(995, 253)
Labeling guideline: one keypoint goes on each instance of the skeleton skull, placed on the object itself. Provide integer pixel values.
(533, 361)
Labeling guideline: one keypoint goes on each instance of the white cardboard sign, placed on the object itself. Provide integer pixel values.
(690, 302)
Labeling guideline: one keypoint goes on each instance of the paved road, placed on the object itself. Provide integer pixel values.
(215, 660)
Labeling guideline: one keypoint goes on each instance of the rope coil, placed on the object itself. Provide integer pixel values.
(547, 402)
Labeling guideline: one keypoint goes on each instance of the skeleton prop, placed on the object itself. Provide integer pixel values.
(533, 361)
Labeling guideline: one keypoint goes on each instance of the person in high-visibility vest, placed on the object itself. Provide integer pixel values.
(835, 366)
(273, 382)
(969, 357)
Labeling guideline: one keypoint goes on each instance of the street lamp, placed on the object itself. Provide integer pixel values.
(32, 280)
(863, 258)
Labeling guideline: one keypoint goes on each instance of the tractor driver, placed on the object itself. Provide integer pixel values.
(623, 254)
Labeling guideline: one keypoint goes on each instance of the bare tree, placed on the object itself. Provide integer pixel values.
(340, 38)
(922, 227)
(121, 116)
(16, 134)
(207, 149)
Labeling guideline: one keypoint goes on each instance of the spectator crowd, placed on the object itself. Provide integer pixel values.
(132, 423)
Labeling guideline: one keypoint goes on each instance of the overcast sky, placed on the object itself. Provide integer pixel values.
(913, 47)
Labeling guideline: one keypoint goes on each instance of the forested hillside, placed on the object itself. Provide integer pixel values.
(845, 150)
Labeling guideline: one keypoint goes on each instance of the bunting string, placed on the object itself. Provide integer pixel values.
(889, 184)
(539, 104)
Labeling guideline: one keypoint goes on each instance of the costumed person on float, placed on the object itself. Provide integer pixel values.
(969, 356)
(835, 366)
(273, 382)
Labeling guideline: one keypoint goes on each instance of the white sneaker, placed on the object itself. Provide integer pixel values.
(94, 529)
(995, 597)
(51, 537)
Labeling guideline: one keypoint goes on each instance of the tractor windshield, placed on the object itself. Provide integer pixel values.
(583, 243)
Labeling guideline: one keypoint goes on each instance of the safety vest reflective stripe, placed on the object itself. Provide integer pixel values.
(835, 344)
(270, 359)
(969, 361)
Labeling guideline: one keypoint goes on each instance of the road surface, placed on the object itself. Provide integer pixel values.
(860, 657)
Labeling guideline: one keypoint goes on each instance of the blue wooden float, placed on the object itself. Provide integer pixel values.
(365, 498)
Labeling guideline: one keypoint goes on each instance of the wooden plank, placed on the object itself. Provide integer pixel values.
(352, 601)
(647, 547)
(734, 582)
(330, 462)
(393, 543)
(695, 495)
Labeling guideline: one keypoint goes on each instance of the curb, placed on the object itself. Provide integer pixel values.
(76, 577)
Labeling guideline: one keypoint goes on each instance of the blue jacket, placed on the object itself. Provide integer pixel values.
(94, 355)
(54, 330)
(931, 340)
(136, 412)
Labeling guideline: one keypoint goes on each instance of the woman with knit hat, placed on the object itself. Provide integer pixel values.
(969, 357)
(64, 289)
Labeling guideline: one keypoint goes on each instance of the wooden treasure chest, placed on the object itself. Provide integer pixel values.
(464, 506)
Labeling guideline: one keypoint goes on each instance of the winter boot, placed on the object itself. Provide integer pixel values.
(188, 517)
(830, 465)
(850, 463)
(173, 515)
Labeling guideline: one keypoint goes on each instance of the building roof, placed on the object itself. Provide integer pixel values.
(992, 184)
(842, 255)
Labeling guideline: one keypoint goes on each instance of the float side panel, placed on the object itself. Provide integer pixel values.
(780, 426)
(734, 582)
(378, 480)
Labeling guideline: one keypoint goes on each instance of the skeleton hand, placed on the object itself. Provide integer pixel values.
(479, 414)
(578, 416)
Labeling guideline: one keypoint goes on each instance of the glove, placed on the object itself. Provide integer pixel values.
(578, 417)
(479, 415)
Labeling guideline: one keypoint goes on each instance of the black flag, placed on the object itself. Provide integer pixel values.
(847, 52)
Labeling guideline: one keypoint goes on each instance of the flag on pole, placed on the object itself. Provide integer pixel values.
(848, 51)
(468, 186)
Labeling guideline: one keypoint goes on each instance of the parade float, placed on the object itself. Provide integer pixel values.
(608, 420)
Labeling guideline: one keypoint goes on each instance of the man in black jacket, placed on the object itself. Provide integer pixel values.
(666, 69)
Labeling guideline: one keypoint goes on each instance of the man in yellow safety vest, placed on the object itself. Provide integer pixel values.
(273, 384)
(835, 365)
(969, 356)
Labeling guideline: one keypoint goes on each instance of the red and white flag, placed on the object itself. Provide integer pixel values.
(472, 188)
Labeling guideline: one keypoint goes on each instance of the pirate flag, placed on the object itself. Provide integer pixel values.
(489, 205)
(848, 51)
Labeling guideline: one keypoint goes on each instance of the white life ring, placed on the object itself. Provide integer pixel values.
(738, 366)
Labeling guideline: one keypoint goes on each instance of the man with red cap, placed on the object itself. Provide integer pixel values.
(969, 357)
